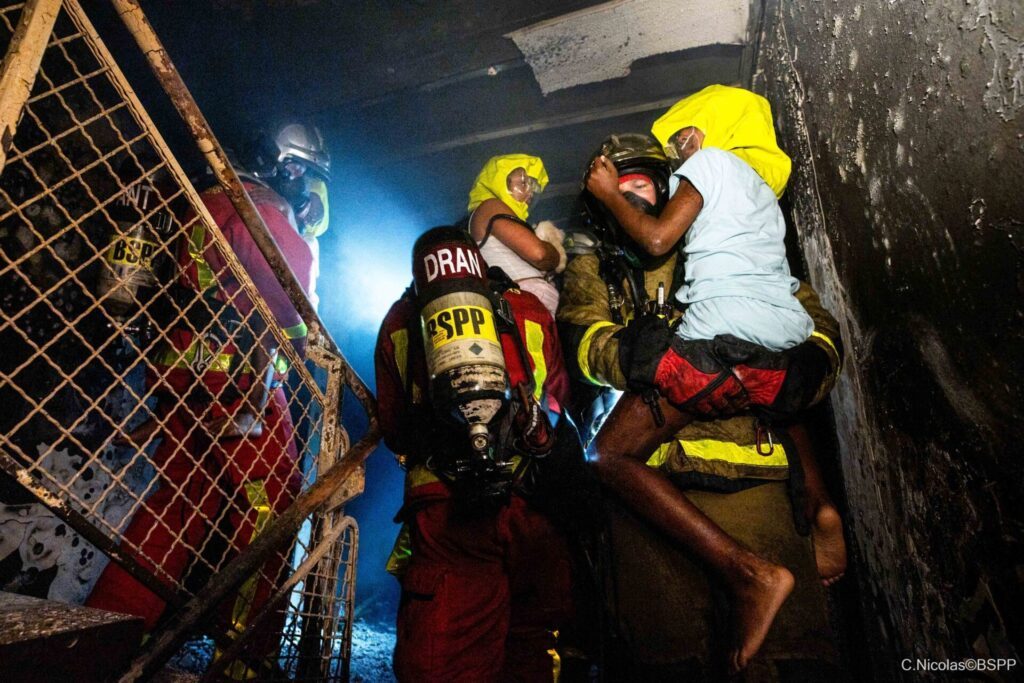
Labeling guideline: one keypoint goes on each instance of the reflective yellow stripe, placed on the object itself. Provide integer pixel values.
(400, 340)
(556, 661)
(281, 364)
(583, 352)
(256, 493)
(659, 456)
(204, 274)
(535, 346)
(296, 331)
(727, 451)
(819, 335)
(172, 358)
(419, 475)
(401, 553)
(828, 341)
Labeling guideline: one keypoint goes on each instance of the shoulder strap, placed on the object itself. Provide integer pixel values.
(505, 216)
(414, 330)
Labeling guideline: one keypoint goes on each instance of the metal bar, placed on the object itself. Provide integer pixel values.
(300, 572)
(489, 71)
(350, 598)
(309, 638)
(21, 64)
(169, 78)
(161, 647)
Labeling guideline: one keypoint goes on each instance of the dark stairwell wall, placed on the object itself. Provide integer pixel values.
(906, 124)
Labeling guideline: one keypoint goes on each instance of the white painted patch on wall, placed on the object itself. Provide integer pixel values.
(601, 42)
(1004, 90)
(875, 191)
(899, 120)
(860, 154)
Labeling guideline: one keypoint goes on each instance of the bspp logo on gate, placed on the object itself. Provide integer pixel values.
(461, 322)
(131, 251)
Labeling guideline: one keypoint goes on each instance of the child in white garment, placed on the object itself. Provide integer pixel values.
(499, 202)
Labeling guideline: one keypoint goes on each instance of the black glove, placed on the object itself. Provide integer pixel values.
(809, 366)
(642, 343)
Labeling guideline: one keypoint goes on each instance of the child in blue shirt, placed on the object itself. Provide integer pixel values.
(724, 215)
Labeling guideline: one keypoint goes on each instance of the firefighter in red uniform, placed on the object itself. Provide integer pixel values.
(485, 574)
(226, 450)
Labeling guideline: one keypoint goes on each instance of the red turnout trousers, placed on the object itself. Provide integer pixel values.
(483, 595)
(202, 483)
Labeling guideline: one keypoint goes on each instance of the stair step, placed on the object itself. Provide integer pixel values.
(43, 640)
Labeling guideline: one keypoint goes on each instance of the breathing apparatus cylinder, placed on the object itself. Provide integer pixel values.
(134, 262)
(468, 380)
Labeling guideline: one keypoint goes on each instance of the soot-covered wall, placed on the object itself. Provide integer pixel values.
(905, 120)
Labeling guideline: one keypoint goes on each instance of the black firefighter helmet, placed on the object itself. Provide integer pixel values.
(631, 153)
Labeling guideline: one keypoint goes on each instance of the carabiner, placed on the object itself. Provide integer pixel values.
(761, 430)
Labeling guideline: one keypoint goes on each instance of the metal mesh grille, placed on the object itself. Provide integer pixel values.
(129, 332)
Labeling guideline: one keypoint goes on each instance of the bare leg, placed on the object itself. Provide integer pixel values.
(826, 524)
(621, 448)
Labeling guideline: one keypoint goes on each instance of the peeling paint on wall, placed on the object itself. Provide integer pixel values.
(1004, 90)
(601, 42)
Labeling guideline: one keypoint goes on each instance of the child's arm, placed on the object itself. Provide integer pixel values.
(658, 235)
(520, 239)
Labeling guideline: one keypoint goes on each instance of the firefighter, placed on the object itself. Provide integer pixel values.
(739, 472)
(484, 572)
(295, 163)
(226, 460)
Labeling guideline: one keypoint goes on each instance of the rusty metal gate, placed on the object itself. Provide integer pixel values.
(131, 342)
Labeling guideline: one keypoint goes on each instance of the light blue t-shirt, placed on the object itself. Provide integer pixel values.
(735, 250)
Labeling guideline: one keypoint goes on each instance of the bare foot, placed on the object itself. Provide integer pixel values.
(757, 597)
(829, 546)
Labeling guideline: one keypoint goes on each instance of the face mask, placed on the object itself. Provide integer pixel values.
(295, 190)
(675, 149)
(523, 188)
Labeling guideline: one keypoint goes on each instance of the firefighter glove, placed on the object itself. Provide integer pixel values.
(694, 378)
(642, 344)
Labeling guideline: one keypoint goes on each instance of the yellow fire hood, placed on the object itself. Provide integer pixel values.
(735, 120)
(491, 183)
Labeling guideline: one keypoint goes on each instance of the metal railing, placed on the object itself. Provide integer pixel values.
(131, 334)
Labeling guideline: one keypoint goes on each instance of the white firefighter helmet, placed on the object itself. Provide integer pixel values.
(299, 142)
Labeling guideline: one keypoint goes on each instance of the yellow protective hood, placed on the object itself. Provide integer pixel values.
(735, 120)
(491, 183)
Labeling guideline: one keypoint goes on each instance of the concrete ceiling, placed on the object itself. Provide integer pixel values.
(424, 92)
